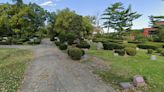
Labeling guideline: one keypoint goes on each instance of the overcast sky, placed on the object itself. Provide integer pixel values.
(92, 7)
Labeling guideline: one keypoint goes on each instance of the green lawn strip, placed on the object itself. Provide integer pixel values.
(12, 68)
(126, 67)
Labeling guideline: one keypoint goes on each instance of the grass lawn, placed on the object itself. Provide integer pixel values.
(12, 66)
(125, 67)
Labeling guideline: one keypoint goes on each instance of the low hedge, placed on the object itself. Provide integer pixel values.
(135, 42)
(83, 44)
(121, 52)
(111, 46)
(63, 47)
(75, 53)
(162, 53)
(147, 46)
(130, 51)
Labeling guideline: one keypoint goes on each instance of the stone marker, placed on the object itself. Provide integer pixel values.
(115, 54)
(153, 57)
(99, 46)
(138, 81)
(126, 85)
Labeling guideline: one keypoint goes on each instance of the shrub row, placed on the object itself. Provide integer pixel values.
(111, 46)
(147, 46)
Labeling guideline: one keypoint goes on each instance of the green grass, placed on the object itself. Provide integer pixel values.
(124, 68)
(12, 66)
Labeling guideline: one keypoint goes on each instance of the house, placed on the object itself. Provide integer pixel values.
(150, 31)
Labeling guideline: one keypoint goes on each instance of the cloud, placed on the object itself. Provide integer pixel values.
(48, 3)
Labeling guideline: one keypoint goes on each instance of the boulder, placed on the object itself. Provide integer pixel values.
(153, 57)
(138, 81)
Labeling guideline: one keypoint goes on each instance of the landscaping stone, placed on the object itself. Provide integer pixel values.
(153, 57)
(138, 81)
(115, 54)
(137, 49)
(126, 85)
(99, 46)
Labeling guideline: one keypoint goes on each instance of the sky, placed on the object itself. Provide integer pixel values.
(96, 7)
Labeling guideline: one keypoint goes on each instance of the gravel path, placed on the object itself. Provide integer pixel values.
(54, 71)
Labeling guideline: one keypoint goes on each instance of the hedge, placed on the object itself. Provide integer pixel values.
(111, 46)
(75, 53)
(147, 46)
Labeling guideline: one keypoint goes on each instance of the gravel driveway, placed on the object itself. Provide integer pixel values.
(53, 71)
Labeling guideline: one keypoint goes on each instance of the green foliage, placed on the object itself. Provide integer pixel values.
(162, 53)
(161, 35)
(63, 46)
(70, 38)
(130, 51)
(111, 46)
(121, 52)
(149, 51)
(57, 43)
(75, 53)
(147, 46)
(119, 18)
(83, 44)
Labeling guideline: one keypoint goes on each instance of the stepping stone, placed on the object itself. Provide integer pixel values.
(126, 85)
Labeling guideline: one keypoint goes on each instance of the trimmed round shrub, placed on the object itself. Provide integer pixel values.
(162, 53)
(63, 46)
(70, 38)
(131, 51)
(75, 53)
(57, 43)
(83, 44)
(121, 52)
(149, 51)
(147, 46)
(111, 46)
(159, 50)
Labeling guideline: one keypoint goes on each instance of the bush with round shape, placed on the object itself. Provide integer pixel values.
(149, 51)
(70, 38)
(131, 51)
(63, 46)
(159, 50)
(57, 43)
(162, 53)
(111, 46)
(75, 53)
(83, 44)
(121, 52)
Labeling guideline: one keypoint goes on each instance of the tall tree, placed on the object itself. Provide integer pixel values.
(119, 18)
(18, 2)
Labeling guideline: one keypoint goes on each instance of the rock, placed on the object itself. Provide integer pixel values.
(137, 49)
(5, 38)
(138, 81)
(32, 40)
(99, 46)
(153, 57)
(126, 85)
(115, 54)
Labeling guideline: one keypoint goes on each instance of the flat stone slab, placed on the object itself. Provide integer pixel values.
(126, 85)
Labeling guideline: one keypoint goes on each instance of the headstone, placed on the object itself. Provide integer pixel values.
(138, 81)
(126, 85)
(115, 54)
(99, 46)
(153, 57)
